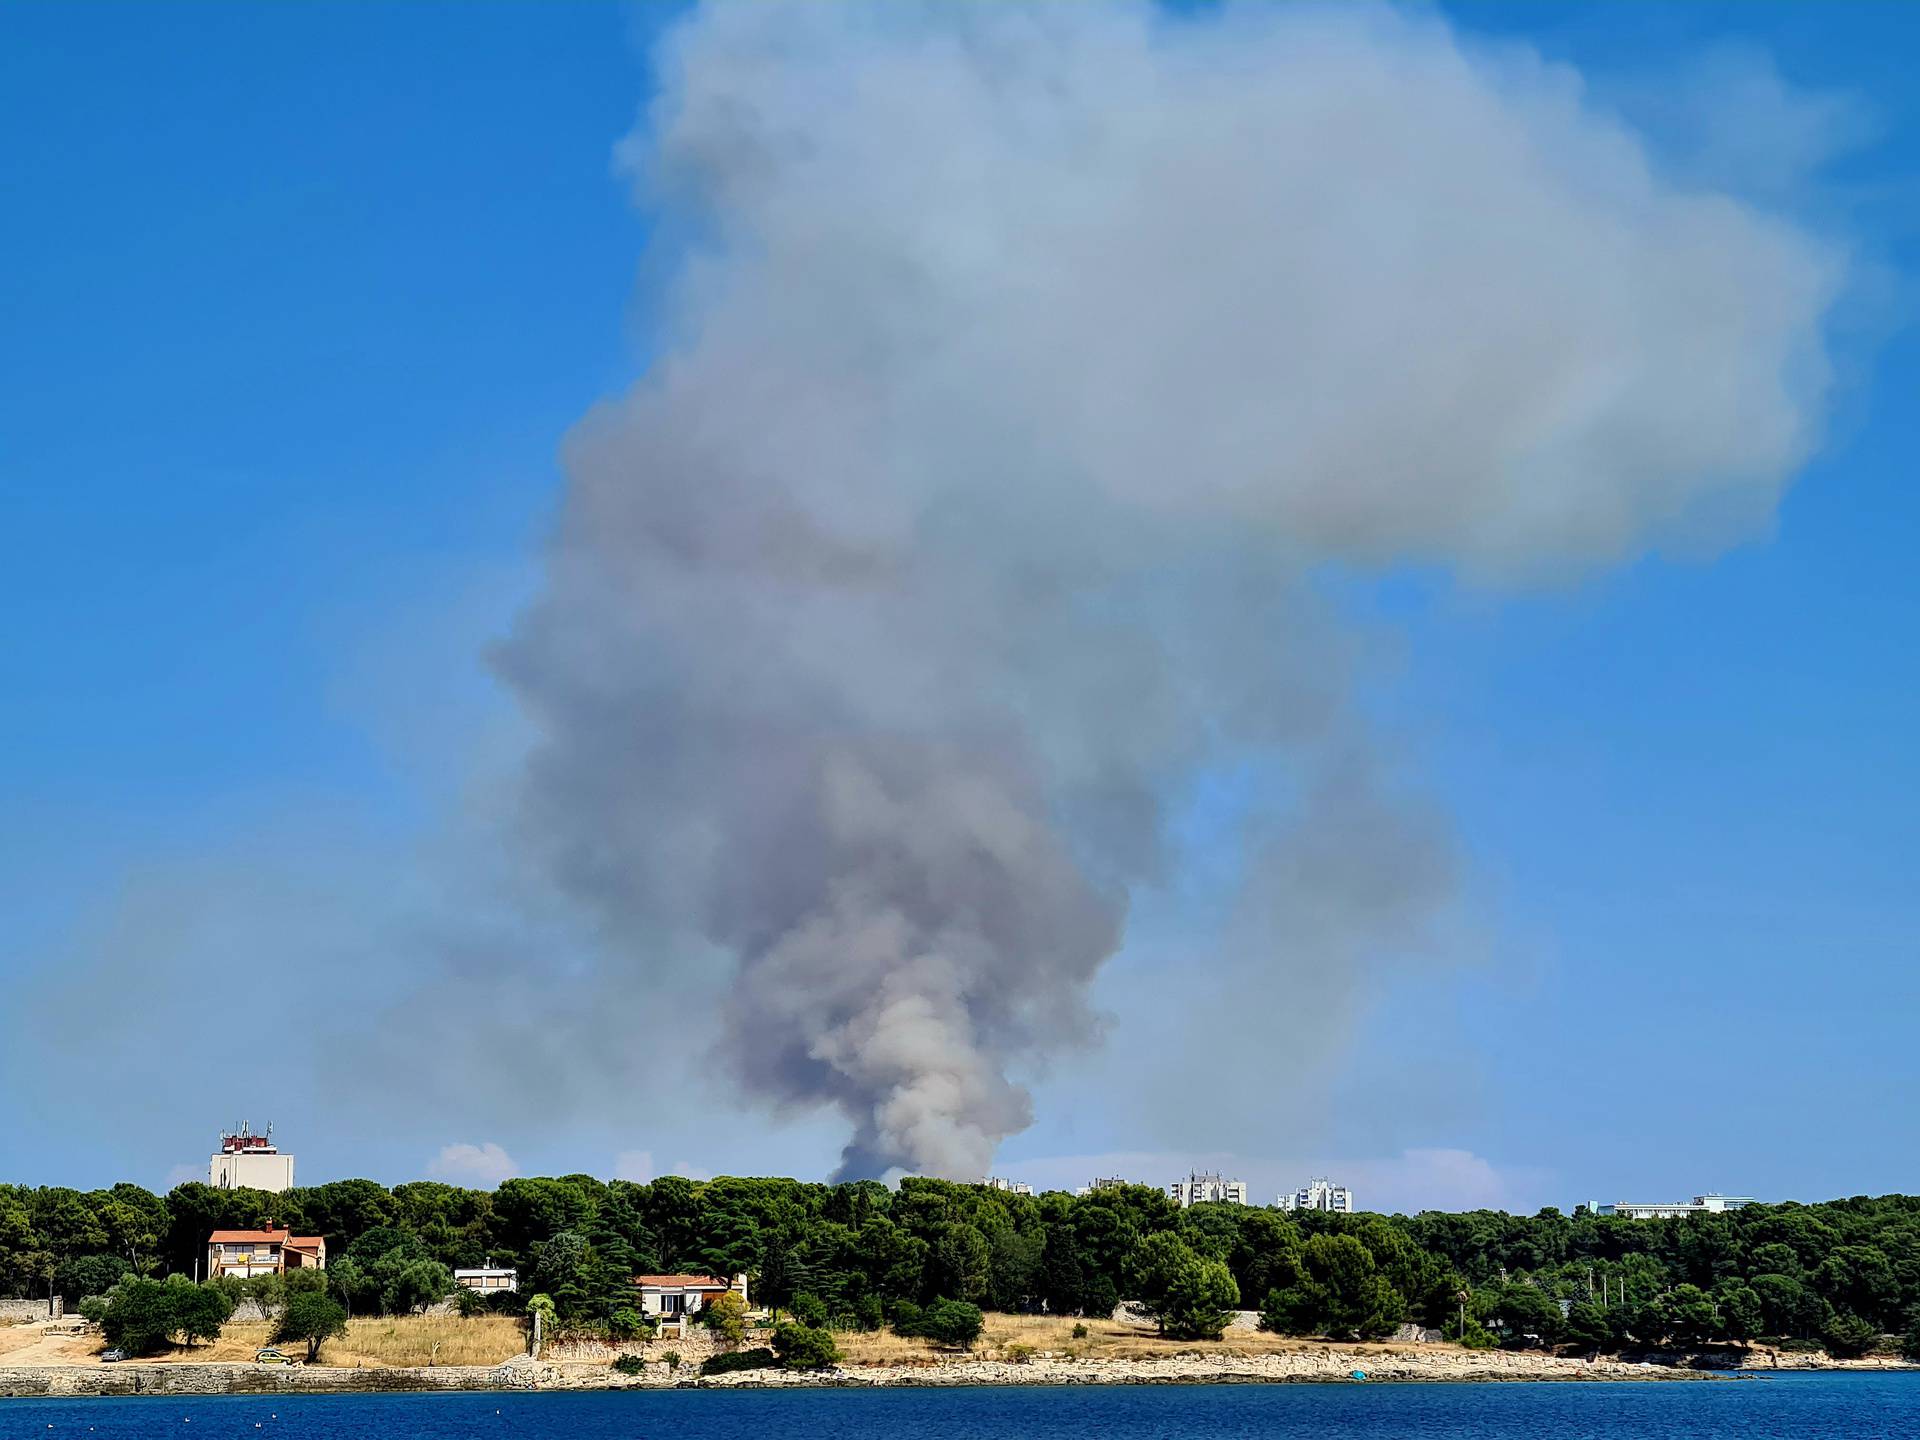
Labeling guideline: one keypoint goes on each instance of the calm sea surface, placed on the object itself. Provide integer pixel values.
(1804, 1407)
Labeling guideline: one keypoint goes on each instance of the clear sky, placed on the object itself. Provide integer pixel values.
(299, 304)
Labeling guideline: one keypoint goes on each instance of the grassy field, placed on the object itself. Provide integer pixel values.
(490, 1339)
(1014, 1337)
(373, 1340)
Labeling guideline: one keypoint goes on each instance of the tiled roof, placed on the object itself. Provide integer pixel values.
(241, 1237)
(305, 1242)
(683, 1282)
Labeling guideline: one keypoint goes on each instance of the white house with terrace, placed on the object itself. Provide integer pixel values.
(670, 1299)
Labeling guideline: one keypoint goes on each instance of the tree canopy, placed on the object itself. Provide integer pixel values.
(858, 1253)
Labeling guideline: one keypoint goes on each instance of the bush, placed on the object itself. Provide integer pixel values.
(628, 1364)
(810, 1310)
(945, 1322)
(469, 1303)
(1019, 1354)
(671, 1359)
(727, 1318)
(801, 1347)
(1848, 1337)
(868, 1313)
(627, 1322)
(758, 1358)
(1080, 1331)
(1474, 1336)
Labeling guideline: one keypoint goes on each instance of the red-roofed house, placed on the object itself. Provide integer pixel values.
(670, 1297)
(247, 1253)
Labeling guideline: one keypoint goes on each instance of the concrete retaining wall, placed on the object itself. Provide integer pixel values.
(20, 1312)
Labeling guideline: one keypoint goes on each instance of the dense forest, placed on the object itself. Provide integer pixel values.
(861, 1255)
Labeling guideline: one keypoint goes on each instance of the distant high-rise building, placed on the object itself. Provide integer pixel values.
(1012, 1187)
(1319, 1193)
(1200, 1189)
(1105, 1182)
(247, 1161)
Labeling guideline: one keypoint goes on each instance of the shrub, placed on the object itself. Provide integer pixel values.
(945, 1322)
(627, 1322)
(1474, 1336)
(628, 1364)
(671, 1359)
(1080, 1331)
(1848, 1337)
(801, 1347)
(758, 1358)
(1019, 1354)
(810, 1310)
(727, 1318)
(868, 1313)
(469, 1303)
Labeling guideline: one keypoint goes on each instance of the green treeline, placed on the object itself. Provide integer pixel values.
(861, 1255)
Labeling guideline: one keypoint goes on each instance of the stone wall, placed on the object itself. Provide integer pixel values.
(20, 1312)
(693, 1348)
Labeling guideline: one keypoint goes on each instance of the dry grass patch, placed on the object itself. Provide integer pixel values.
(1020, 1337)
(428, 1340)
(373, 1340)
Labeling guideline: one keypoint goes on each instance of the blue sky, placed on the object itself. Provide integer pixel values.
(300, 303)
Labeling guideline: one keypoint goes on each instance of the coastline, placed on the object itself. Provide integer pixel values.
(1330, 1365)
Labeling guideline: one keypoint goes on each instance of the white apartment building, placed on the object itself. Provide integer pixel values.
(246, 1161)
(1201, 1189)
(1319, 1193)
(1712, 1204)
(1012, 1187)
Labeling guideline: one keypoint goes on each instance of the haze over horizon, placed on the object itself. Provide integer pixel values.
(847, 590)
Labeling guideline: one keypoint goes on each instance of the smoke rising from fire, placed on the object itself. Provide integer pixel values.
(1023, 367)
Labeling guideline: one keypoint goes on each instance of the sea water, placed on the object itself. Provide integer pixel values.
(1794, 1406)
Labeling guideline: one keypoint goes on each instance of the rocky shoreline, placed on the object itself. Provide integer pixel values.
(1328, 1364)
(1306, 1366)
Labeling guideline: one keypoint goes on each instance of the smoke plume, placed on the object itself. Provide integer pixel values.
(1024, 367)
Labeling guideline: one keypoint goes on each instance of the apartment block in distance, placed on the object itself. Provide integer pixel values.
(1319, 1193)
(1201, 1189)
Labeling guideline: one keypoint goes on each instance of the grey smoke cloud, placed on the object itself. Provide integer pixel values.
(1024, 365)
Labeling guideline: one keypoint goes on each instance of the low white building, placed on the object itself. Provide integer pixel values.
(1319, 1193)
(1202, 1189)
(487, 1279)
(1711, 1204)
(1012, 1187)
(1105, 1182)
(671, 1298)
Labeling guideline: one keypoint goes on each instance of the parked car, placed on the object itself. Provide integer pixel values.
(114, 1354)
(272, 1356)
